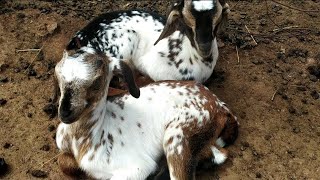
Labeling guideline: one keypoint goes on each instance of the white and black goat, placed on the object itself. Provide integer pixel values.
(124, 137)
(183, 48)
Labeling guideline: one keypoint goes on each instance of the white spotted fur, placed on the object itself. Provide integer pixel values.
(146, 57)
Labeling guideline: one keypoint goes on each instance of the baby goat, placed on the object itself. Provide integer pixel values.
(185, 48)
(124, 137)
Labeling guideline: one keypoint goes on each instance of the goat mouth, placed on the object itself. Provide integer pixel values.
(205, 54)
(205, 50)
(67, 120)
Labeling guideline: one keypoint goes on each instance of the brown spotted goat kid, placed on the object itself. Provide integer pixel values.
(182, 48)
(124, 137)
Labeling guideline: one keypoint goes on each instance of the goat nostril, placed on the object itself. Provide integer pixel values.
(205, 45)
(66, 114)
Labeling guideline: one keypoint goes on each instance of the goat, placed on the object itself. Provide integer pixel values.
(183, 48)
(123, 137)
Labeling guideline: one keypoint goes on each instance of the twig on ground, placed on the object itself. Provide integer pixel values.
(255, 42)
(35, 57)
(292, 28)
(234, 5)
(126, 5)
(273, 32)
(274, 94)
(269, 15)
(294, 8)
(54, 157)
(238, 55)
(27, 50)
(284, 28)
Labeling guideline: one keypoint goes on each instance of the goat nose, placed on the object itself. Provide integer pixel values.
(65, 113)
(205, 45)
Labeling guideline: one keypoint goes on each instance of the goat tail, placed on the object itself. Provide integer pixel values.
(229, 133)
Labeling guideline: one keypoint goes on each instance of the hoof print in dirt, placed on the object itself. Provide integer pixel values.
(314, 70)
(296, 130)
(31, 72)
(7, 145)
(3, 102)
(4, 79)
(292, 110)
(297, 53)
(315, 94)
(3, 67)
(23, 65)
(39, 174)
(3, 167)
(257, 61)
(258, 175)
(281, 55)
(45, 147)
(51, 110)
(301, 88)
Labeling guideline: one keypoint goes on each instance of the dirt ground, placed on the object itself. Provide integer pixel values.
(273, 87)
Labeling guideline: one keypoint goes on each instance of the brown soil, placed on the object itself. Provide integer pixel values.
(273, 87)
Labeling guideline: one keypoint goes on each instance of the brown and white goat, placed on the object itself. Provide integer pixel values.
(124, 137)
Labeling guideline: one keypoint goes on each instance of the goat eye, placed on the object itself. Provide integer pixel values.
(96, 84)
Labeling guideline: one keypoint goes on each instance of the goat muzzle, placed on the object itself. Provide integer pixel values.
(66, 116)
(205, 49)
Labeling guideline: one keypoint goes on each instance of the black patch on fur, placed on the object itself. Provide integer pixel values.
(175, 47)
(183, 71)
(89, 34)
(161, 54)
(65, 107)
(203, 28)
(129, 79)
(110, 138)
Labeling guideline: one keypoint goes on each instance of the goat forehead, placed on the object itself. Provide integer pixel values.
(203, 5)
(73, 68)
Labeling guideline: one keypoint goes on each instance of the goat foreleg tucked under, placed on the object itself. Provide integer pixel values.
(69, 165)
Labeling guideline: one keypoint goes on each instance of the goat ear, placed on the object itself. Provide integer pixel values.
(171, 24)
(224, 17)
(128, 77)
(115, 92)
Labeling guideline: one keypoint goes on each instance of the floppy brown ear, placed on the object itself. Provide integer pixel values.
(128, 77)
(171, 24)
(115, 91)
(224, 17)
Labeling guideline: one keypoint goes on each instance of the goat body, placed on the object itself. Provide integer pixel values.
(123, 137)
(131, 35)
